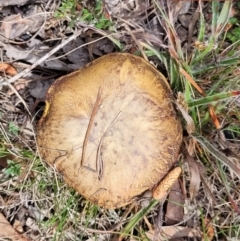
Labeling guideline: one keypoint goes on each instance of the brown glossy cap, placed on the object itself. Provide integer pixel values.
(110, 128)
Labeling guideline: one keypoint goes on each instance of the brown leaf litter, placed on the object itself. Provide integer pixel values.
(9, 232)
(7, 69)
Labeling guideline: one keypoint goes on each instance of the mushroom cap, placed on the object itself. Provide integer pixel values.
(111, 129)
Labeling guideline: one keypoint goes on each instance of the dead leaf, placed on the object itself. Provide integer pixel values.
(32, 55)
(207, 189)
(15, 52)
(13, 26)
(185, 7)
(173, 232)
(18, 85)
(195, 178)
(185, 20)
(191, 145)
(183, 107)
(177, 7)
(174, 212)
(4, 159)
(4, 3)
(37, 18)
(38, 89)
(209, 229)
(148, 37)
(8, 69)
(76, 55)
(32, 224)
(18, 226)
(99, 47)
(126, 9)
(7, 231)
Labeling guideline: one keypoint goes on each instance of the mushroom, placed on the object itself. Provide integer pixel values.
(111, 129)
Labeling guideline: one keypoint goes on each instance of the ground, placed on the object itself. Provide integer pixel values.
(194, 44)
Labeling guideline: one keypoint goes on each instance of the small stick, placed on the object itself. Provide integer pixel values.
(99, 161)
(90, 123)
(42, 59)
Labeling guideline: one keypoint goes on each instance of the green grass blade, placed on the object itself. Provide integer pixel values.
(174, 74)
(153, 52)
(137, 217)
(215, 14)
(223, 63)
(201, 27)
(216, 153)
(212, 98)
(219, 22)
(223, 18)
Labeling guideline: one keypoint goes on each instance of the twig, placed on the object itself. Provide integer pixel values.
(99, 161)
(109, 36)
(137, 42)
(90, 123)
(54, 50)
